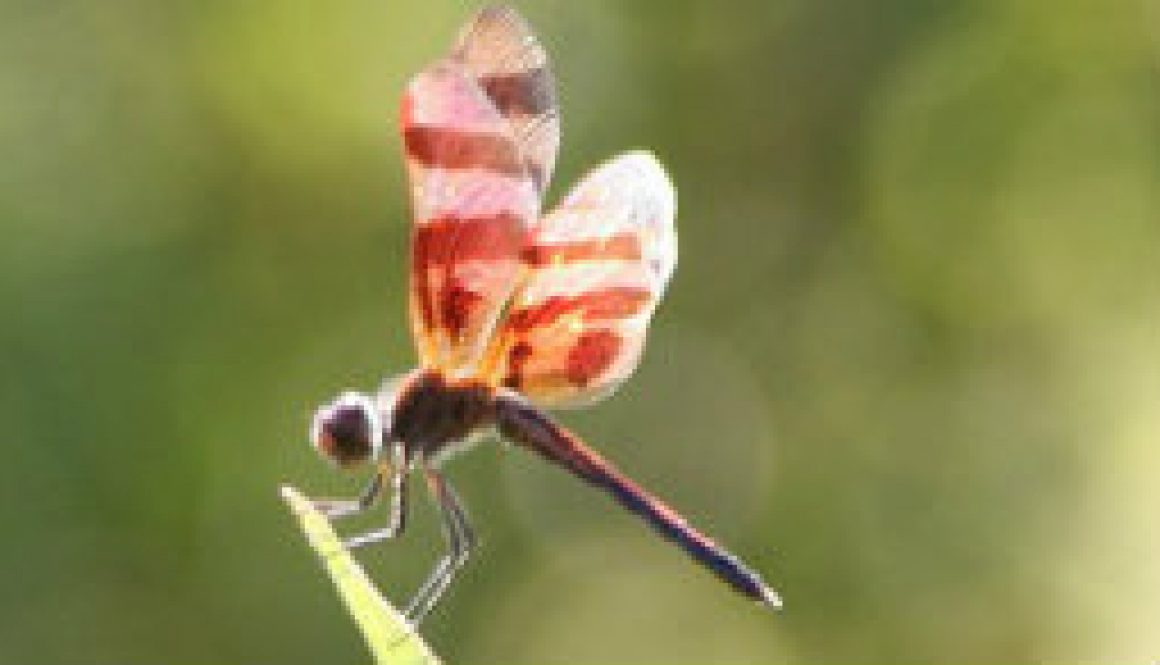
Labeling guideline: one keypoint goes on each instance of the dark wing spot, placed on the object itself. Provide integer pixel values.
(593, 353)
(448, 148)
(526, 93)
(458, 304)
(441, 243)
(517, 358)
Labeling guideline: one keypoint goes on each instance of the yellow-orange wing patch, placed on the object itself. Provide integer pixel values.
(597, 266)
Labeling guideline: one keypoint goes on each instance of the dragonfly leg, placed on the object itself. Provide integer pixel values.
(397, 520)
(460, 541)
(339, 508)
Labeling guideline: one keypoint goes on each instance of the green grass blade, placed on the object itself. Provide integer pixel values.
(390, 638)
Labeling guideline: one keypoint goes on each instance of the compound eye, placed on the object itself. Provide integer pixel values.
(347, 432)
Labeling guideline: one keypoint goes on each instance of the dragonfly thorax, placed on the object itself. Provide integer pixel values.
(431, 413)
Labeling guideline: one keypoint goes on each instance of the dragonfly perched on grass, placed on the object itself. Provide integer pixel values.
(514, 311)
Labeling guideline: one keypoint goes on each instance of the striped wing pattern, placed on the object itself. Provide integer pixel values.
(596, 267)
(472, 203)
(481, 132)
(500, 50)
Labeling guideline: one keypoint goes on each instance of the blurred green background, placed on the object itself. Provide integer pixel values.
(909, 366)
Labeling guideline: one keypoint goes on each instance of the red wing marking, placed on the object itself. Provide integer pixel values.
(480, 131)
(597, 266)
(473, 202)
(623, 246)
(445, 299)
(592, 354)
(448, 148)
(476, 238)
(500, 50)
(607, 304)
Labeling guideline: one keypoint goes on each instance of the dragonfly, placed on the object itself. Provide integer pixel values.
(514, 312)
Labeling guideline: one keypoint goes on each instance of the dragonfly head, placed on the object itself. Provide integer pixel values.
(349, 430)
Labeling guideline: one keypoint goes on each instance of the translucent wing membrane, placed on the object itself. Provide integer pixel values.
(472, 202)
(481, 132)
(596, 268)
(499, 49)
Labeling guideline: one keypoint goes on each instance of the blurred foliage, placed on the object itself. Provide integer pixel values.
(909, 366)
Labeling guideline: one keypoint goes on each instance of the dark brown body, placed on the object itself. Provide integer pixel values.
(432, 415)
